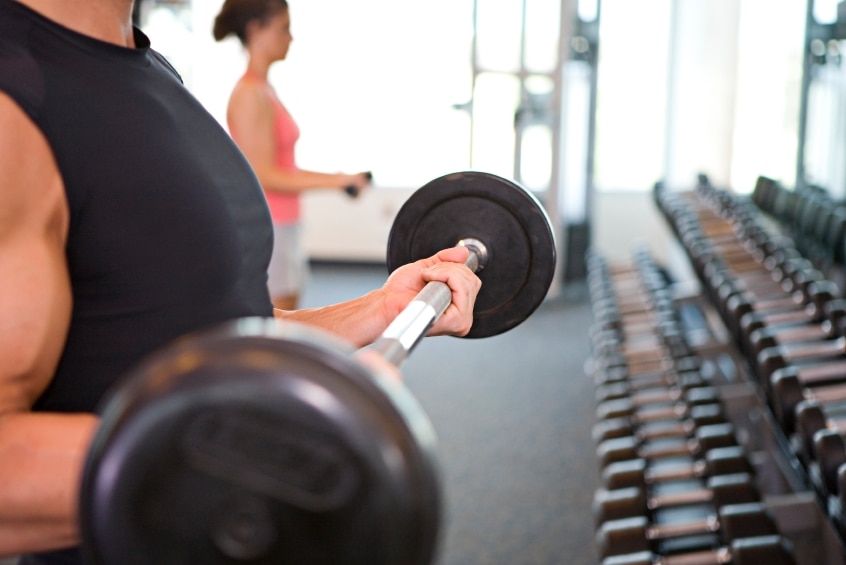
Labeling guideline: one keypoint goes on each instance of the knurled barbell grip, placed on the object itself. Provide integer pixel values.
(406, 330)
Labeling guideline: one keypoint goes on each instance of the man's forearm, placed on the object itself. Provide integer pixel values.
(41, 462)
(359, 321)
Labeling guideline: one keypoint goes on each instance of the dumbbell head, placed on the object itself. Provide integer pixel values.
(790, 265)
(768, 362)
(783, 257)
(736, 306)
(835, 317)
(804, 283)
(606, 316)
(810, 419)
(629, 535)
(830, 451)
(612, 365)
(714, 436)
(757, 335)
(688, 363)
(770, 549)
(605, 373)
(745, 520)
(788, 392)
(607, 342)
(841, 486)
(617, 504)
(820, 294)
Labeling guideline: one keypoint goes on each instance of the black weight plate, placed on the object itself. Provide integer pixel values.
(508, 219)
(265, 443)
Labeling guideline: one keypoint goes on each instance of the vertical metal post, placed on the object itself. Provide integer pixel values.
(807, 72)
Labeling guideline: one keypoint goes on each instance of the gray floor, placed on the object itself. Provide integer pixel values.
(513, 415)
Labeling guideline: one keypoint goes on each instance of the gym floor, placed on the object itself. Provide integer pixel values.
(513, 415)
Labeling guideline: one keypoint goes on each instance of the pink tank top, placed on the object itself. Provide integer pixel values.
(284, 207)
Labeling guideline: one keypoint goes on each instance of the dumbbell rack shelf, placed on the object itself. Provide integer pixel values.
(782, 479)
(740, 262)
(669, 456)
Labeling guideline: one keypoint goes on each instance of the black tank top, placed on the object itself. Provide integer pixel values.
(169, 229)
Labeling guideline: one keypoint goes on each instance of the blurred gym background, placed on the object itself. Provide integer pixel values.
(588, 103)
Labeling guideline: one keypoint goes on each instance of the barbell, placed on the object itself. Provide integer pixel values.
(265, 442)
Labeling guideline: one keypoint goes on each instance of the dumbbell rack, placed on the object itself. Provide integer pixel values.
(783, 480)
(787, 489)
(642, 331)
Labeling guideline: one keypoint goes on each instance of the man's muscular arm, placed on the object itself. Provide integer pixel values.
(363, 319)
(41, 455)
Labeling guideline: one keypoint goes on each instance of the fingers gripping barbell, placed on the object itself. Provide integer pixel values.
(260, 442)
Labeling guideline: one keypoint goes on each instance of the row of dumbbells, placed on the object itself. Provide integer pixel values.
(789, 322)
(675, 485)
(805, 363)
(815, 220)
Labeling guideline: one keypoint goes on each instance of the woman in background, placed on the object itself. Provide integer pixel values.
(267, 135)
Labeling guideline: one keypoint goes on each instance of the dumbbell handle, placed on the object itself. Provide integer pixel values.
(406, 330)
(667, 473)
(821, 372)
(681, 498)
(702, 557)
(674, 530)
(352, 191)
(659, 451)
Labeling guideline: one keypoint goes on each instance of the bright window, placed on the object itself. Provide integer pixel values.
(371, 84)
(631, 93)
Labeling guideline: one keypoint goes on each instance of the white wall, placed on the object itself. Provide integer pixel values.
(624, 219)
(338, 228)
(702, 90)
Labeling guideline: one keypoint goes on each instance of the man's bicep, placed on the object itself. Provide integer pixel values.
(34, 286)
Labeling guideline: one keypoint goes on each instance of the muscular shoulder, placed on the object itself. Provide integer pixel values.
(32, 185)
(34, 290)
